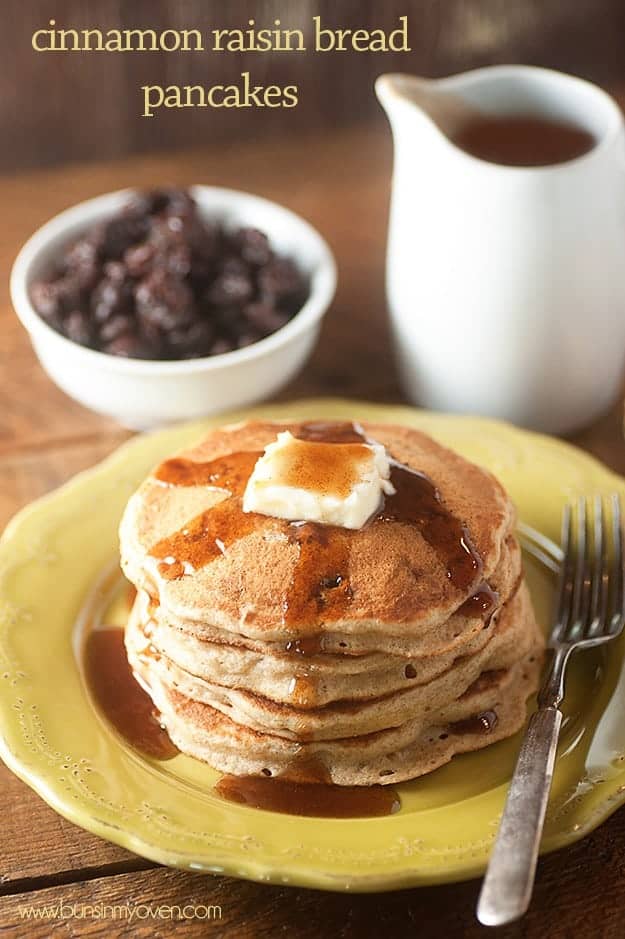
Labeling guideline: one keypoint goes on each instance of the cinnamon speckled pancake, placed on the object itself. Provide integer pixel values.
(515, 634)
(389, 756)
(395, 576)
(283, 678)
(392, 639)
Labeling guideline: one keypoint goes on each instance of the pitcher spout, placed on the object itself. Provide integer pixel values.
(408, 97)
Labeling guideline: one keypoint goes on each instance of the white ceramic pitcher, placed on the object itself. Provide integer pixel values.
(506, 284)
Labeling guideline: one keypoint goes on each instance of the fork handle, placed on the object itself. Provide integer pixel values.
(507, 887)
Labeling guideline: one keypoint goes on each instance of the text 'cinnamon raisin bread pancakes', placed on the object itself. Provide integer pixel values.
(328, 602)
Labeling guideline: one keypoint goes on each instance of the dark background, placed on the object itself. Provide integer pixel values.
(60, 107)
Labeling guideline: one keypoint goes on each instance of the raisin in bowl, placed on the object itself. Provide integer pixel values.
(170, 305)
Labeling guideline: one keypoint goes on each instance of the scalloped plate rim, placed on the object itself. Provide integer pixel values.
(247, 868)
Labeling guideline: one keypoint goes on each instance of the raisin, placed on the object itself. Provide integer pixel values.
(163, 301)
(264, 317)
(253, 246)
(46, 301)
(109, 298)
(121, 232)
(222, 345)
(280, 280)
(115, 326)
(139, 258)
(128, 345)
(194, 341)
(246, 339)
(82, 260)
(77, 327)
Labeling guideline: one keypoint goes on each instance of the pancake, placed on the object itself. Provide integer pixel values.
(389, 756)
(328, 677)
(395, 576)
(320, 679)
(438, 639)
(514, 635)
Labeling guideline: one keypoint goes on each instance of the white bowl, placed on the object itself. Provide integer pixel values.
(143, 394)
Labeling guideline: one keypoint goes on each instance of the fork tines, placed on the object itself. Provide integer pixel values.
(591, 596)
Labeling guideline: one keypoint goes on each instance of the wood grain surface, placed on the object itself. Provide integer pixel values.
(86, 105)
(341, 184)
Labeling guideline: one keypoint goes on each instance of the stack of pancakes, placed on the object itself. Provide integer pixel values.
(312, 653)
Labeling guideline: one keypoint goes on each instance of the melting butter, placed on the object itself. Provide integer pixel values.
(340, 484)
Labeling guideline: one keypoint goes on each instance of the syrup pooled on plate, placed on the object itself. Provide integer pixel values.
(119, 696)
(319, 800)
(305, 788)
(522, 140)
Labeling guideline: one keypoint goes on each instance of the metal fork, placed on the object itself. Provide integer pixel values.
(589, 611)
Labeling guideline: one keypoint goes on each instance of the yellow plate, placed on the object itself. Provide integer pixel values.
(54, 552)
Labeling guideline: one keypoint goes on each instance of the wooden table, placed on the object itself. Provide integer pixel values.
(340, 184)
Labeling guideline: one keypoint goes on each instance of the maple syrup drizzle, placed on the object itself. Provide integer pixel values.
(307, 645)
(305, 788)
(484, 602)
(329, 468)
(119, 696)
(302, 691)
(482, 723)
(319, 590)
(320, 800)
(230, 472)
(304, 769)
(418, 502)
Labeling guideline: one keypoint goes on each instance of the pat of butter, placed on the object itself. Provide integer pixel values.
(331, 483)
